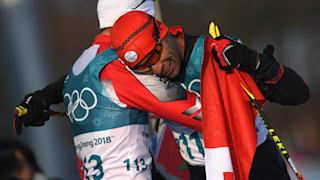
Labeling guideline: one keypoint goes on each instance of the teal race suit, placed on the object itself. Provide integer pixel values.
(102, 97)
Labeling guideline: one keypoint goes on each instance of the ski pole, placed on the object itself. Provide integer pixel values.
(273, 134)
(21, 111)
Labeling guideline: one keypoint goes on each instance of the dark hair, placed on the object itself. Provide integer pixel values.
(9, 164)
(8, 158)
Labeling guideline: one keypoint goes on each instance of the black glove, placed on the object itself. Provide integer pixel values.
(34, 108)
(241, 57)
(33, 111)
(234, 54)
(268, 67)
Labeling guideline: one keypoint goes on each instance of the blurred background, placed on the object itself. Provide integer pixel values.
(40, 40)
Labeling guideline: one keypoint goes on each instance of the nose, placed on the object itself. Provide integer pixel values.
(157, 68)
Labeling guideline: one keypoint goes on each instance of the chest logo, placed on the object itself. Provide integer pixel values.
(81, 103)
(193, 86)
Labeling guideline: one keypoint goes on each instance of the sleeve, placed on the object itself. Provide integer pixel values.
(283, 86)
(152, 94)
(53, 92)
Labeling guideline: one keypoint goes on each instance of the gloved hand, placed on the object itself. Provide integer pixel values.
(236, 55)
(268, 50)
(32, 111)
(268, 66)
(34, 108)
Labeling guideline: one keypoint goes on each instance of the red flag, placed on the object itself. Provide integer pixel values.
(168, 158)
(228, 120)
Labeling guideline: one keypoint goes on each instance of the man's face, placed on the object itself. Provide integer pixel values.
(164, 60)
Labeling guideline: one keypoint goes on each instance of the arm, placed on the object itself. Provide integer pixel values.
(279, 83)
(52, 93)
(148, 93)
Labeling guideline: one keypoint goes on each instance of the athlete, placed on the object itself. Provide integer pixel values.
(149, 47)
(126, 132)
(151, 83)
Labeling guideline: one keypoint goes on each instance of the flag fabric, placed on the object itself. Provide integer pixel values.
(168, 158)
(228, 120)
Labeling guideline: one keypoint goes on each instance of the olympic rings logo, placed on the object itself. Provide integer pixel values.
(79, 102)
(190, 86)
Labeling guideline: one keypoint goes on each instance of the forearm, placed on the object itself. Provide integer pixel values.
(149, 93)
(284, 86)
(53, 92)
(278, 83)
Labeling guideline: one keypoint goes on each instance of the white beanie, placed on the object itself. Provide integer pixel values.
(110, 10)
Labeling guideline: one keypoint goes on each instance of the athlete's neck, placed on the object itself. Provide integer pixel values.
(106, 31)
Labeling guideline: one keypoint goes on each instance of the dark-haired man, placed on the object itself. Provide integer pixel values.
(149, 47)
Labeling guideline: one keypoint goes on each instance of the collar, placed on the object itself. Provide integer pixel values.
(101, 39)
